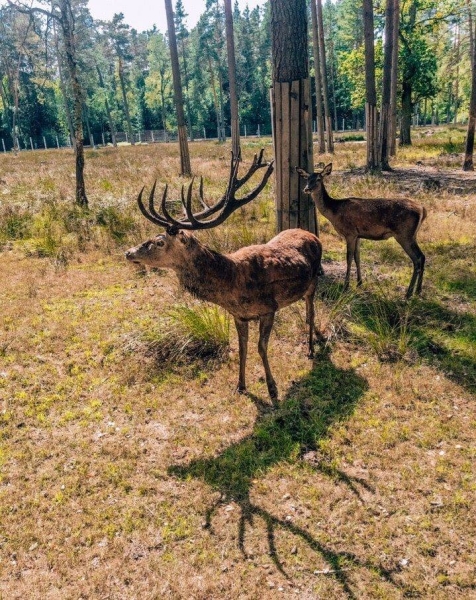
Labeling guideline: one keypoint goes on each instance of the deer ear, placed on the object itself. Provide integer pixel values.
(302, 173)
(327, 170)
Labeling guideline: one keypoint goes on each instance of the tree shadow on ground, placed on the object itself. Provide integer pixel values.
(326, 396)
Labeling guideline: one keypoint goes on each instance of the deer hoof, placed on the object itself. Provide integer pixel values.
(240, 389)
(273, 392)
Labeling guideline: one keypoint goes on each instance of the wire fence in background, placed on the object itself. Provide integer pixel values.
(53, 140)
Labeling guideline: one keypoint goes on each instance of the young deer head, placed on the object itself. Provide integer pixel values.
(252, 283)
(372, 219)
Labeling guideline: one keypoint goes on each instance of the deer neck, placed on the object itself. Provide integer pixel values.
(325, 204)
(205, 273)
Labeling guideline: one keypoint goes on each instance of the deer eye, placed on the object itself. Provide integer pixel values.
(159, 242)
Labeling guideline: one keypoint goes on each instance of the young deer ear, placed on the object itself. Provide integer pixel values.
(327, 170)
(302, 173)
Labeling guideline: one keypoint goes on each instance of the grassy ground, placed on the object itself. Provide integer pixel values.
(128, 471)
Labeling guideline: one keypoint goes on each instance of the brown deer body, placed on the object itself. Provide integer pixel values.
(371, 219)
(251, 283)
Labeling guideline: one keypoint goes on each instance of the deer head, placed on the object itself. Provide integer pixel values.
(314, 179)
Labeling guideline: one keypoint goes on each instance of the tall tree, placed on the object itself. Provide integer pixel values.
(62, 13)
(318, 79)
(385, 114)
(230, 45)
(392, 129)
(325, 87)
(185, 167)
(292, 119)
(182, 43)
(469, 147)
(119, 32)
(371, 118)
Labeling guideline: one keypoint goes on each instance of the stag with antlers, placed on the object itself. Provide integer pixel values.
(370, 219)
(251, 283)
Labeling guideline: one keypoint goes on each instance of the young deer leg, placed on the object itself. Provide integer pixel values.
(351, 243)
(357, 261)
(309, 297)
(418, 258)
(265, 326)
(422, 268)
(242, 329)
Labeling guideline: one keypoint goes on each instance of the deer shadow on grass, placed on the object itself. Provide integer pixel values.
(326, 396)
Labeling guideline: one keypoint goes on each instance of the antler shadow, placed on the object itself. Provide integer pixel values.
(327, 395)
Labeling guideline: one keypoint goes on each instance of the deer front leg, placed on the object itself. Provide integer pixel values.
(242, 330)
(265, 326)
(351, 243)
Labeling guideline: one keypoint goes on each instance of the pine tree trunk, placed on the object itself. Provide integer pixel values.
(393, 84)
(318, 79)
(406, 123)
(185, 167)
(325, 90)
(292, 118)
(469, 149)
(385, 116)
(371, 118)
(68, 39)
(230, 45)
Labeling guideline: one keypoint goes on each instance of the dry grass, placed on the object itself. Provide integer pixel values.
(122, 478)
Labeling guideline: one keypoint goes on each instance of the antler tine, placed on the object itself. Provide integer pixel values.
(152, 216)
(200, 196)
(171, 220)
(187, 204)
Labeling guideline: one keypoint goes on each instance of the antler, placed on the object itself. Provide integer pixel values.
(227, 204)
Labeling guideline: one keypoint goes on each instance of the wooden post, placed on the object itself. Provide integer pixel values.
(44, 143)
(3, 144)
(292, 133)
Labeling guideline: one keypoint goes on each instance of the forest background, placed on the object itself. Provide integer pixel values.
(127, 79)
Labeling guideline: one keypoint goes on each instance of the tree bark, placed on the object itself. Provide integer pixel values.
(371, 118)
(405, 130)
(230, 46)
(67, 25)
(393, 84)
(469, 149)
(318, 79)
(325, 89)
(292, 116)
(385, 117)
(185, 167)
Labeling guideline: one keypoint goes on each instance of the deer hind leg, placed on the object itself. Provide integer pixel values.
(418, 258)
(265, 327)
(242, 330)
(351, 245)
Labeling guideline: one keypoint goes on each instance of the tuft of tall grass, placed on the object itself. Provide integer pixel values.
(382, 322)
(184, 335)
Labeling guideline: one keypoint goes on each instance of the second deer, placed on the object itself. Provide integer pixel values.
(251, 283)
(370, 219)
